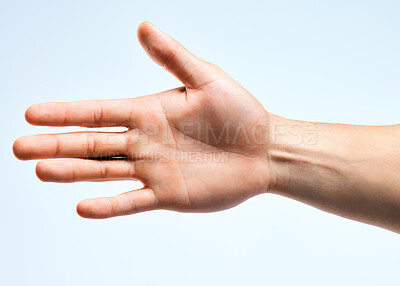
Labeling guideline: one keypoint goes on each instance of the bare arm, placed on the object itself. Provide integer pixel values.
(352, 171)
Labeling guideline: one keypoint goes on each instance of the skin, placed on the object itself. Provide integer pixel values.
(210, 145)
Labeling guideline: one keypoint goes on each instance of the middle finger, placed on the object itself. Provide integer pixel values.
(71, 145)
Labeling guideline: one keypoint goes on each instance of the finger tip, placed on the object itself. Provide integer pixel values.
(29, 148)
(19, 149)
(40, 114)
(149, 36)
(82, 209)
(42, 171)
(30, 113)
(97, 210)
(144, 27)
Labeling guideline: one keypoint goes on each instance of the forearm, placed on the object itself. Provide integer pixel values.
(352, 171)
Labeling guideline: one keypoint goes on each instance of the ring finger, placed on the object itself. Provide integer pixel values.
(75, 170)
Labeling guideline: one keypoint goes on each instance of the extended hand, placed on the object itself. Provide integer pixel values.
(201, 147)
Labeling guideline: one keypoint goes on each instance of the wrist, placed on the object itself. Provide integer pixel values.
(306, 157)
(292, 152)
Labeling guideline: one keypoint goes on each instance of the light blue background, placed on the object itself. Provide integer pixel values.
(333, 61)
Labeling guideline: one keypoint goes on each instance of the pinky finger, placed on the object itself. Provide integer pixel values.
(123, 204)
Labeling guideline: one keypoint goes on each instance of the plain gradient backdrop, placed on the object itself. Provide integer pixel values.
(332, 61)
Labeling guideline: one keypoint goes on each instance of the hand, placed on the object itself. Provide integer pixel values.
(198, 148)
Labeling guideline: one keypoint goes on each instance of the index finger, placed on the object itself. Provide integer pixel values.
(87, 113)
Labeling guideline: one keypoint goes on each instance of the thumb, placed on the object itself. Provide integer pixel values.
(168, 53)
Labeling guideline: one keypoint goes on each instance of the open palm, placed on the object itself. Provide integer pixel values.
(201, 147)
